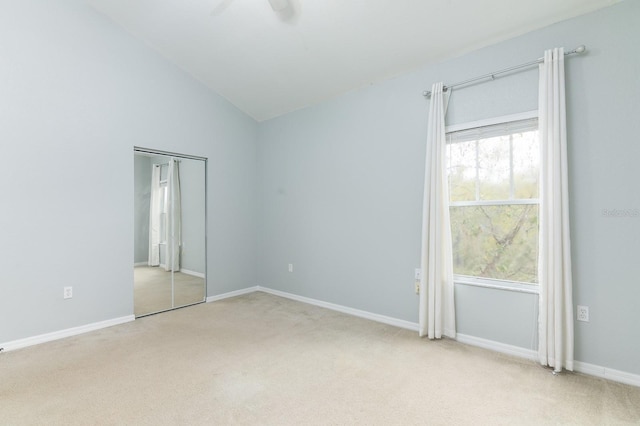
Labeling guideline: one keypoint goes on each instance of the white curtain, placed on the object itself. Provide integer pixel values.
(155, 208)
(174, 217)
(437, 316)
(555, 343)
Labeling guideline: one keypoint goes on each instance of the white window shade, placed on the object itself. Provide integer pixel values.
(494, 130)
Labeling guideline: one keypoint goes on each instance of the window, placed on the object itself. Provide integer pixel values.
(493, 190)
(164, 227)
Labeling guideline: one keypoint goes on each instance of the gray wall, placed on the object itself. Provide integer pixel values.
(341, 188)
(77, 93)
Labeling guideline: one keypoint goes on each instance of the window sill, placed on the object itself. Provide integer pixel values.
(497, 284)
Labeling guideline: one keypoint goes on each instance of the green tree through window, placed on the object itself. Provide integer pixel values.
(493, 189)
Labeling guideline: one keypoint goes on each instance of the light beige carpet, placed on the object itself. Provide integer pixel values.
(152, 290)
(259, 359)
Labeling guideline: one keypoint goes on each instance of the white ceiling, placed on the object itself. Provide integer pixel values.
(269, 63)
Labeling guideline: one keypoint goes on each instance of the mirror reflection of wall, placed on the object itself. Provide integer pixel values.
(169, 231)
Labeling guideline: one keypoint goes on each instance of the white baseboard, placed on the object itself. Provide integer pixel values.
(232, 294)
(61, 334)
(344, 309)
(530, 354)
(578, 366)
(607, 373)
(497, 346)
(192, 273)
(184, 271)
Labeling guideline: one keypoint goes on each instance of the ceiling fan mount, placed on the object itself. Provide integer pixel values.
(276, 5)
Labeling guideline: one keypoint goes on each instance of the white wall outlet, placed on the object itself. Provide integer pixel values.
(291, 267)
(582, 313)
(68, 293)
(417, 287)
(417, 274)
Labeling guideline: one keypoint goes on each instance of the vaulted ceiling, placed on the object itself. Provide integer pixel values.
(269, 61)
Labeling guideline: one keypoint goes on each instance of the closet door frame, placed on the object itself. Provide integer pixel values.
(173, 155)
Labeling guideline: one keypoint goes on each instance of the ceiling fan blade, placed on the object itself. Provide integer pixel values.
(221, 7)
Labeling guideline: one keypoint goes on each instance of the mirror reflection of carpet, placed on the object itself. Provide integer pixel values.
(152, 290)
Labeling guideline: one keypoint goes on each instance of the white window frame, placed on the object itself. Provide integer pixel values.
(491, 282)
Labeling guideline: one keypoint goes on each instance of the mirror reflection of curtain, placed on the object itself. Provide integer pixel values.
(165, 217)
(173, 217)
(155, 212)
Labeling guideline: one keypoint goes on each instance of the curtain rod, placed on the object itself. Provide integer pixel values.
(492, 76)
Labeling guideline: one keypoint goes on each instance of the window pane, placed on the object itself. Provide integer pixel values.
(494, 168)
(499, 242)
(164, 171)
(163, 212)
(526, 164)
(461, 160)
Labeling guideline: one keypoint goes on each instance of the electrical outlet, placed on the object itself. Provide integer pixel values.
(291, 267)
(68, 293)
(582, 313)
(417, 275)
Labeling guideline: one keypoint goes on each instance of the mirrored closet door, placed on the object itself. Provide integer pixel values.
(169, 231)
